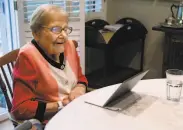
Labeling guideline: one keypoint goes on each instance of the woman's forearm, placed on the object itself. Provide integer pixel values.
(51, 110)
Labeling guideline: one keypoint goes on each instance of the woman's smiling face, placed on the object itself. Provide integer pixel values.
(53, 34)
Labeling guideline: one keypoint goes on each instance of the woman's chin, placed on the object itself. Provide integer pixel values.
(59, 49)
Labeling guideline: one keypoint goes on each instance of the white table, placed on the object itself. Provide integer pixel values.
(160, 115)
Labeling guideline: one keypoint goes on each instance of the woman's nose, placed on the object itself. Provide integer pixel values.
(63, 34)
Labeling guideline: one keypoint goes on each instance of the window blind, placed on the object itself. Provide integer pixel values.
(72, 7)
(1, 13)
(93, 5)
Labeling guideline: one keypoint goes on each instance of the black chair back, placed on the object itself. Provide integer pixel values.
(125, 34)
(93, 38)
(129, 20)
(95, 46)
(97, 23)
(125, 53)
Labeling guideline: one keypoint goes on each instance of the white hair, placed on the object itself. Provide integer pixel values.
(38, 17)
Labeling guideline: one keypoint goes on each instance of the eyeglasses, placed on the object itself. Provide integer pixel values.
(58, 29)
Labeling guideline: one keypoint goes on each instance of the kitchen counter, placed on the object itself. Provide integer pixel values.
(167, 30)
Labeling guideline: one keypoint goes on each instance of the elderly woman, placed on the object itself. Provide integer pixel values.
(47, 73)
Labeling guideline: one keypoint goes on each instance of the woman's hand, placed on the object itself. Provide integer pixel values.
(66, 101)
(52, 107)
(78, 90)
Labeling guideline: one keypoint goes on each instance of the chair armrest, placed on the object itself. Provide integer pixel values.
(9, 57)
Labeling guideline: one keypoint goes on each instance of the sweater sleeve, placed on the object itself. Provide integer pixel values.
(81, 78)
(24, 105)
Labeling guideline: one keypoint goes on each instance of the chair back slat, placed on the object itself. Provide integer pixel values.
(12, 64)
(9, 69)
(5, 92)
(7, 81)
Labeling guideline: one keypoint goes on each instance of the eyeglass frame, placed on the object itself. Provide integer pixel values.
(62, 29)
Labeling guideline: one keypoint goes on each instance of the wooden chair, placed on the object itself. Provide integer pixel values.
(9, 57)
(75, 43)
(7, 63)
(7, 60)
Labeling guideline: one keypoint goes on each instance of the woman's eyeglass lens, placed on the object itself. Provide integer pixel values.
(58, 30)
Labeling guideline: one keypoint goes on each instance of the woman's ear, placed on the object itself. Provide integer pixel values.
(36, 35)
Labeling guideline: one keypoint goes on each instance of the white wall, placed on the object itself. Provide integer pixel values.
(150, 13)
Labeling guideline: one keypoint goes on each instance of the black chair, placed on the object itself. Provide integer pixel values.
(97, 23)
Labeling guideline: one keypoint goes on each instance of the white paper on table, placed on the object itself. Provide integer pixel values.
(113, 27)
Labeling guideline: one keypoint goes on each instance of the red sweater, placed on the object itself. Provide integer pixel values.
(39, 79)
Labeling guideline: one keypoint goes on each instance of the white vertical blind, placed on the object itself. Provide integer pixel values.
(5, 27)
(95, 9)
(93, 5)
(1, 11)
(90, 5)
(75, 9)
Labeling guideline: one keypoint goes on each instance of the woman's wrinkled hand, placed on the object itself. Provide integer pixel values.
(77, 91)
(66, 101)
